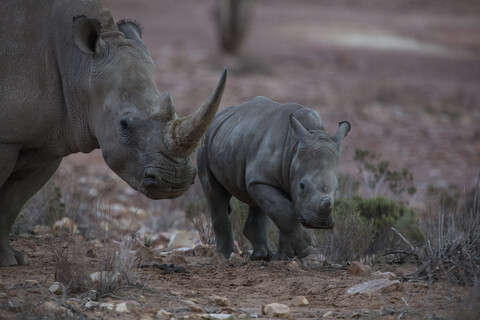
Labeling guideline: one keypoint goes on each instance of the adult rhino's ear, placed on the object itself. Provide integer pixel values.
(86, 34)
(130, 29)
(299, 131)
(343, 129)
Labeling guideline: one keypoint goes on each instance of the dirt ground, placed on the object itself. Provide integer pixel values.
(406, 74)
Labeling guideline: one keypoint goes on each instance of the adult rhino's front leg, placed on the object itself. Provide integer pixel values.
(293, 239)
(14, 193)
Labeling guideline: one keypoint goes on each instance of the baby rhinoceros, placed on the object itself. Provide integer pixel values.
(278, 159)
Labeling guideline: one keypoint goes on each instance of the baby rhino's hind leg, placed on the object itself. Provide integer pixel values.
(256, 231)
(218, 199)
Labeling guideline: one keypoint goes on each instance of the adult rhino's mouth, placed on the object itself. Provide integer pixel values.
(158, 186)
(311, 220)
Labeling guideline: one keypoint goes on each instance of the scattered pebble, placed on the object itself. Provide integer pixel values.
(176, 259)
(299, 301)
(107, 305)
(91, 305)
(122, 308)
(56, 288)
(358, 269)
(31, 283)
(220, 301)
(163, 314)
(236, 261)
(276, 310)
(384, 275)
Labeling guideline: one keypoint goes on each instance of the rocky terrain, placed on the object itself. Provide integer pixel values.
(404, 73)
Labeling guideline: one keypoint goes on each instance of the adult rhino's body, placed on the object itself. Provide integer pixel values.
(72, 80)
(278, 159)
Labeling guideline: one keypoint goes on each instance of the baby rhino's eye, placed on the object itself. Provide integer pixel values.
(324, 189)
(302, 186)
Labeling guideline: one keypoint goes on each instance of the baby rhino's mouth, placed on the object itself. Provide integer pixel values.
(311, 220)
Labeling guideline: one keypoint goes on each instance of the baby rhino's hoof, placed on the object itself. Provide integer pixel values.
(264, 254)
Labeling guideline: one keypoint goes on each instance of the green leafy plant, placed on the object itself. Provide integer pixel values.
(350, 237)
(384, 214)
(377, 175)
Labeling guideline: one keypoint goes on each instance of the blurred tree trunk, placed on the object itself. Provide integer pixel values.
(232, 19)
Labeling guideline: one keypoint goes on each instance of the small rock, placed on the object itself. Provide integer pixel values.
(384, 275)
(163, 314)
(204, 250)
(75, 304)
(31, 283)
(358, 269)
(377, 285)
(293, 265)
(236, 261)
(145, 317)
(122, 308)
(327, 314)
(219, 316)
(218, 259)
(91, 305)
(196, 308)
(107, 305)
(3, 295)
(176, 259)
(186, 252)
(66, 224)
(40, 229)
(49, 308)
(184, 238)
(56, 288)
(299, 301)
(145, 253)
(277, 310)
(220, 301)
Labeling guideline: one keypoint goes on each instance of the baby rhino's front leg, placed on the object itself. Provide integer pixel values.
(293, 239)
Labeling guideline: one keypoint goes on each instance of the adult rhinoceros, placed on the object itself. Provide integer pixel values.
(73, 80)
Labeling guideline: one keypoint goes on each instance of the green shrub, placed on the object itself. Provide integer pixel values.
(350, 237)
(384, 214)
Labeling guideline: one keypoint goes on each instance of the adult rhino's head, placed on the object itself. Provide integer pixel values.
(313, 174)
(140, 135)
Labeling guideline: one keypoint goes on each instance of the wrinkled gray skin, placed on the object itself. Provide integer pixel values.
(71, 80)
(278, 159)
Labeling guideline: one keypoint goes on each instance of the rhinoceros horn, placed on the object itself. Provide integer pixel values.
(343, 129)
(184, 134)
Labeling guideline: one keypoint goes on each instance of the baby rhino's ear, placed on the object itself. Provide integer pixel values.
(343, 129)
(300, 133)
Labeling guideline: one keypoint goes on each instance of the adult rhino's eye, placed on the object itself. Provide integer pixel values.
(325, 189)
(126, 125)
(302, 186)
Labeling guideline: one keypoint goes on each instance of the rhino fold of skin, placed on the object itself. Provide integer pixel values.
(72, 79)
(278, 159)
